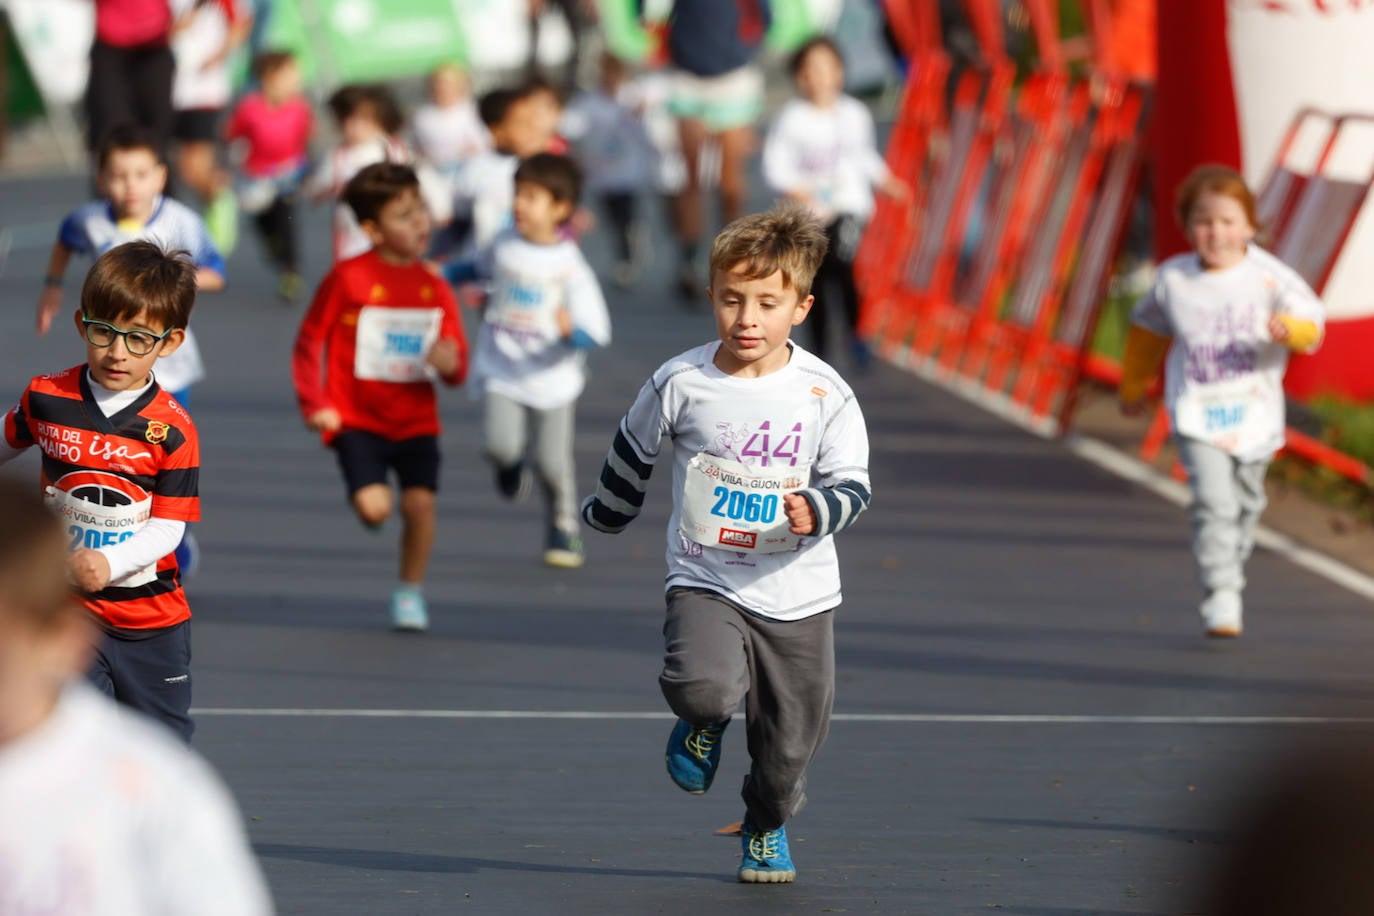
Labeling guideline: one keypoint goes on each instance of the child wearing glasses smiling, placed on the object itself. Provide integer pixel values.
(121, 466)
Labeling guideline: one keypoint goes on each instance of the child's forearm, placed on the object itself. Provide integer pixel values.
(152, 542)
(208, 280)
(1145, 351)
(620, 489)
(837, 507)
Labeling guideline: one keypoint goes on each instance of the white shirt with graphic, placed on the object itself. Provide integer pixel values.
(828, 154)
(103, 812)
(520, 352)
(802, 419)
(1224, 373)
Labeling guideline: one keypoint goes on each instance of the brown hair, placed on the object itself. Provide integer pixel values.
(820, 42)
(33, 559)
(140, 275)
(123, 138)
(787, 238)
(375, 185)
(372, 99)
(559, 175)
(269, 62)
(1213, 179)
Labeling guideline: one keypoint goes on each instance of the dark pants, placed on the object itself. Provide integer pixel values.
(130, 86)
(620, 209)
(717, 654)
(277, 227)
(834, 284)
(151, 674)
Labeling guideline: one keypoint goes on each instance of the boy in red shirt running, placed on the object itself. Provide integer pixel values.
(380, 327)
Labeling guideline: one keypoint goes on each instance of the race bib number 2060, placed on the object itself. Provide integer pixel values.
(730, 506)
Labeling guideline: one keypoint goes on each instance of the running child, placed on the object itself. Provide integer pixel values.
(1232, 312)
(485, 191)
(275, 123)
(544, 313)
(770, 458)
(369, 123)
(381, 327)
(121, 466)
(100, 811)
(447, 129)
(820, 151)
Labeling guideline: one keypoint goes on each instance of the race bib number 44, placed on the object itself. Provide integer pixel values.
(392, 343)
(730, 506)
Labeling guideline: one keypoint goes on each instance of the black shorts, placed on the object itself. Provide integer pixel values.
(366, 457)
(197, 125)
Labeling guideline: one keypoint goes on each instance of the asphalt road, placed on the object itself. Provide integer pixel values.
(1026, 715)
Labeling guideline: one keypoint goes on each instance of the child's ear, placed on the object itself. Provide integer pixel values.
(802, 310)
(162, 181)
(76, 320)
(172, 342)
(372, 230)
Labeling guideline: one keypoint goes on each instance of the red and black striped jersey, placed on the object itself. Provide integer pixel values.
(107, 475)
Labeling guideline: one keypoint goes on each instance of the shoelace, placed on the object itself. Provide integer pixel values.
(701, 740)
(764, 846)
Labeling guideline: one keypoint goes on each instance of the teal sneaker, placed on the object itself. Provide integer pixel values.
(693, 755)
(222, 222)
(766, 859)
(408, 610)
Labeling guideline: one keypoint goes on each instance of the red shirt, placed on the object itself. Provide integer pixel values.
(277, 136)
(361, 347)
(131, 23)
(105, 475)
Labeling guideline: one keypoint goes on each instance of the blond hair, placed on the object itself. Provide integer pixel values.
(787, 238)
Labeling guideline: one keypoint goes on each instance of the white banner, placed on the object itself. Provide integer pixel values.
(55, 37)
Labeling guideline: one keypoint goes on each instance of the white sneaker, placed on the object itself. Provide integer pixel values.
(408, 611)
(1221, 613)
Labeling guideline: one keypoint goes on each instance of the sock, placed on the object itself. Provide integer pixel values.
(410, 588)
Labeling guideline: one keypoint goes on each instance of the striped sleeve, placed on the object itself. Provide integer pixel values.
(17, 434)
(624, 477)
(176, 491)
(836, 507)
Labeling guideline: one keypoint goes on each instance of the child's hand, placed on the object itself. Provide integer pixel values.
(895, 188)
(565, 322)
(443, 356)
(327, 420)
(1278, 330)
(799, 513)
(89, 569)
(470, 295)
(49, 304)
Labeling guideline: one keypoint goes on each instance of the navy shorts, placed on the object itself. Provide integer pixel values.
(365, 459)
(149, 670)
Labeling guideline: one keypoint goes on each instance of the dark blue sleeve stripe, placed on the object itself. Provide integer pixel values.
(625, 452)
(621, 488)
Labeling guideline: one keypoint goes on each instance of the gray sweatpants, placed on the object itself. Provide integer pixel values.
(1228, 497)
(509, 425)
(717, 654)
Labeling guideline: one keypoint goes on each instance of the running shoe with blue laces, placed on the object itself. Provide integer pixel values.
(693, 755)
(766, 859)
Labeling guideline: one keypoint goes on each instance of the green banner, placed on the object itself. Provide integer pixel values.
(346, 41)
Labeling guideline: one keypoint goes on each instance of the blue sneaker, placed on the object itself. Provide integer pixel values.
(408, 610)
(766, 859)
(694, 754)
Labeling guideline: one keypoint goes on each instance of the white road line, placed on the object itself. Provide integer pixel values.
(898, 718)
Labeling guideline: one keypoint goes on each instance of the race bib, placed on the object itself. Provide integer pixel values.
(1236, 416)
(392, 343)
(100, 510)
(730, 506)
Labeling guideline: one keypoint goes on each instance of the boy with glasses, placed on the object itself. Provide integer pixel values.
(120, 467)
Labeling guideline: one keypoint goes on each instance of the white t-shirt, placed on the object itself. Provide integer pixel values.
(520, 353)
(448, 137)
(1223, 379)
(103, 812)
(486, 191)
(196, 86)
(802, 416)
(827, 153)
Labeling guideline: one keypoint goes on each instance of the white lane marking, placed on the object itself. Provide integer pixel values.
(913, 718)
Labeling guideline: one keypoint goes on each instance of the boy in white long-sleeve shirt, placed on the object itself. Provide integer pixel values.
(770, 458)
(544, 312)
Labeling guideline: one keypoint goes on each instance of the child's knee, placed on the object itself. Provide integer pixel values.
(699, 700)
(417, 504)
(372, 504)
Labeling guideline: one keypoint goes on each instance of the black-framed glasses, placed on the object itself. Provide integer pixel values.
(138, 343)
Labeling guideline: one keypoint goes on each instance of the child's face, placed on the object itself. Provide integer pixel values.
(820, 78)
(754, 319)
(282, 83)
(401, 231)
(538, 214)
(361, 127)
(131, 180)
(115, 366)
(448, 87)
(522, 132)
(1218, 229)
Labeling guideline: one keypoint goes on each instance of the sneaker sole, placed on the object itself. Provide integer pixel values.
(759, 876)
(1223, 632)
(563, 559)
